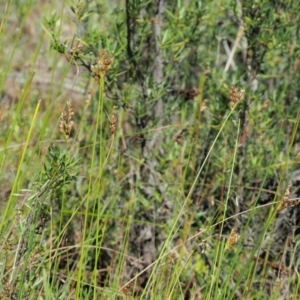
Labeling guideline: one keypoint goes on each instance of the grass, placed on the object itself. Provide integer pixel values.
(146, 152)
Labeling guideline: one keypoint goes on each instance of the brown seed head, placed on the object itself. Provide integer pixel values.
(113, 120)
(189, 94)
(103, 65)
(286, 201)
(232, 239)
(235, 95)
(66, 121)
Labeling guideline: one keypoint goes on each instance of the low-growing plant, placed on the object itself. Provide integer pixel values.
(149, 150)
